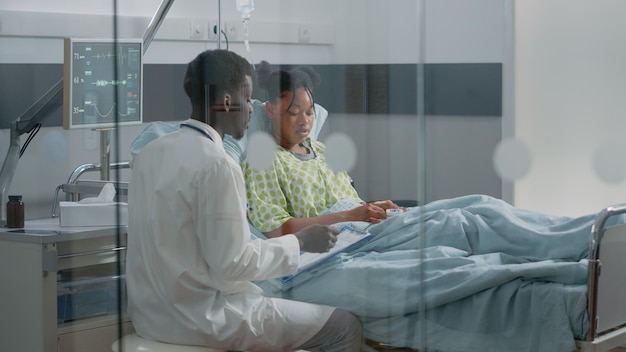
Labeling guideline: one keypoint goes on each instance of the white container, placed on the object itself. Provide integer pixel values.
(92, 214)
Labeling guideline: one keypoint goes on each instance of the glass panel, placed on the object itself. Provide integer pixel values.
(67, 160)
(372, 86)
(461, 117)
(53, 52)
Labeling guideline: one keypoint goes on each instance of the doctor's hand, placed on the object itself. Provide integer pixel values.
(317, 238)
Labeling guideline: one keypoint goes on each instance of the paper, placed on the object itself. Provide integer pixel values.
(107, 194)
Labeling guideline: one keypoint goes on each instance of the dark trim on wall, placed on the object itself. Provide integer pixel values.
(460, 89)
(463, 89)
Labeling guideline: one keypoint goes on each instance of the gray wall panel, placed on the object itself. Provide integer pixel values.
(451, 89)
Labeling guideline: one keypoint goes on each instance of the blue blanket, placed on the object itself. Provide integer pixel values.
(464, 274)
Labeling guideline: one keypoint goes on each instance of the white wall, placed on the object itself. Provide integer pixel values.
(569, 97)
(365, 31)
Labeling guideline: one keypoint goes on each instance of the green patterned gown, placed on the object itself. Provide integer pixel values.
(295, 186)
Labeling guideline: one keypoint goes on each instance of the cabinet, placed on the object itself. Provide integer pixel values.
(60, 287)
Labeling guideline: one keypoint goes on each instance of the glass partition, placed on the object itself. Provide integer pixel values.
(453, 140)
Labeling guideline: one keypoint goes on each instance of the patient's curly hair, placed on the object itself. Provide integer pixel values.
(221, 70)
(277, 83)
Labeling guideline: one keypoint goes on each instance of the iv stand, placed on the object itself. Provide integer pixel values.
(48, 103)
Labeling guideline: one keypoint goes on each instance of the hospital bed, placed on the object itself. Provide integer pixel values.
(606, 282)
(606, 293)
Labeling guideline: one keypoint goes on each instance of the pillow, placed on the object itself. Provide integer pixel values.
(151, 132)
(235, 148)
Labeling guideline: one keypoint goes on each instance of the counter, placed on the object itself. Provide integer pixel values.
(49, 231)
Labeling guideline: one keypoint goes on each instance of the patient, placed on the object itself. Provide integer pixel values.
(463, 274)
(286, 200)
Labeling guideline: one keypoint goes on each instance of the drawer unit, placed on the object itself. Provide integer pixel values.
(63, 288)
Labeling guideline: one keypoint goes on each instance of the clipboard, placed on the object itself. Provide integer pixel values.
(347, 239)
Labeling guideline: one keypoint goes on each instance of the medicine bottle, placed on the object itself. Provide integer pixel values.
(15, 212)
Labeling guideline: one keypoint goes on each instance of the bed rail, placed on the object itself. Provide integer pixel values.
(597, 234)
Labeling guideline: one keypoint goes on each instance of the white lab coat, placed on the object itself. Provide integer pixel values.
(190, 259)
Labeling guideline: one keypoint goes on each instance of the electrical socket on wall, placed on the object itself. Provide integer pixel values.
(197, 29)
(232, 30)
(304, 34)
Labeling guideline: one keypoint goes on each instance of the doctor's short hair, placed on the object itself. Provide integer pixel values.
(222, 71)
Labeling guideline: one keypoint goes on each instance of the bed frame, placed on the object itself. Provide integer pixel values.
(606, 280)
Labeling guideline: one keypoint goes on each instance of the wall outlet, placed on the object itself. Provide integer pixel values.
(304, 34)
(232, 30)
(197, 29)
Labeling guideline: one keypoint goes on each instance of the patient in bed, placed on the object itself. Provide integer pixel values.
(300, 188)
(464, 274)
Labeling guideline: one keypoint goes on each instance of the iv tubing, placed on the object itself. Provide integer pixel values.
(219, 24)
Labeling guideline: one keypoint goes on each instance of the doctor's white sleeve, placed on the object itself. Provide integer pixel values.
(226, 244)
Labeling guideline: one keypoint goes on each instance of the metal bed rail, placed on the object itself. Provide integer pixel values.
(594, 268)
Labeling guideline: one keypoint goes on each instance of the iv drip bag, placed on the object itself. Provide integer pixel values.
(245, 7)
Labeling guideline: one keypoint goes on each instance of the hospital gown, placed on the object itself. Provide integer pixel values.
(294, 188)
(466, 274)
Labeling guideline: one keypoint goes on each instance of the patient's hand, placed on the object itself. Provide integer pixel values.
(374, 212)
(386, 204)
(370, 212)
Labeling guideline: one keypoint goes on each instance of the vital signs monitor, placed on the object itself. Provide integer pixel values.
(102, 82)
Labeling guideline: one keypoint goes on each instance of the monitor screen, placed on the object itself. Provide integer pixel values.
(102, 83)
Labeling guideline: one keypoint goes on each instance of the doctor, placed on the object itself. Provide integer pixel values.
(190, 260)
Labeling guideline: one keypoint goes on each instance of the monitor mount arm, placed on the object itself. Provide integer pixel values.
(44, 106)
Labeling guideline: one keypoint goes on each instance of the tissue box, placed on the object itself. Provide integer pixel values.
(92, 214)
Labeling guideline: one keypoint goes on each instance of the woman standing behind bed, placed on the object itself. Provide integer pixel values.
(300, 188)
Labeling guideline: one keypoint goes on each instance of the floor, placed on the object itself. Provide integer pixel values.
(376, 347)
(402, 349)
